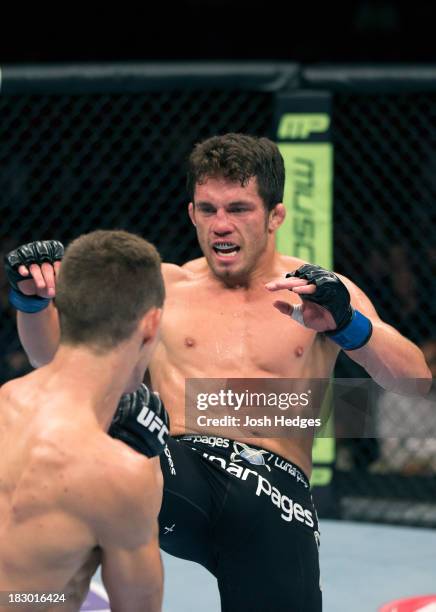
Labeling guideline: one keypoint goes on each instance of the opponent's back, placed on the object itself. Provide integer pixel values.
(46, 539)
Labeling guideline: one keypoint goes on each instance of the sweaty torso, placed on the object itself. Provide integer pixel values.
(46, 544)
(211, 331)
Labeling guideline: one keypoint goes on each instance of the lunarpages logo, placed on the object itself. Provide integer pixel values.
(289, 510)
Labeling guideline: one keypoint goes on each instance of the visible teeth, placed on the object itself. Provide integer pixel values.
(225, 246)
(230, 254)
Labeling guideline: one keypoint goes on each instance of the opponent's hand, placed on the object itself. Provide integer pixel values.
(325, 299)
(32, 268)
(142, 422)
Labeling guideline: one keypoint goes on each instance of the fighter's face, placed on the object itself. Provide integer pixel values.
(233, 226)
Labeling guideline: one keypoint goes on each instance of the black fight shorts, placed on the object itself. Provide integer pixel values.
(245, 514)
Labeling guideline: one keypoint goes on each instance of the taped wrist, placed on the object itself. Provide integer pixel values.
(27, 303)
(354, 334)
(37, 252)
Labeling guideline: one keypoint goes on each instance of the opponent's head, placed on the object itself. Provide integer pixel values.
(110, 290)
(236, 185)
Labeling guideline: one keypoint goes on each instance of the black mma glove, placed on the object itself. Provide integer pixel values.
(353, 329)
(38, 253)
(142, 422)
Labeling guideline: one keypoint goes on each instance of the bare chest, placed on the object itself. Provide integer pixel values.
(235, 334)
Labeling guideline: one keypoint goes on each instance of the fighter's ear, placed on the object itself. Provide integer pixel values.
(191, 211)
(150, 324)
(276, 217)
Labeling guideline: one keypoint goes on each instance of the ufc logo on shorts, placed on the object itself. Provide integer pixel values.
(153, 423)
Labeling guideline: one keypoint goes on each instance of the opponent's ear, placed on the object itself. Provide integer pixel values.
(191, 211)
(276, 217)
(150, 324)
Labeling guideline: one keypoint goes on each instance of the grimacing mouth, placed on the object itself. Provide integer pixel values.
(226, 248)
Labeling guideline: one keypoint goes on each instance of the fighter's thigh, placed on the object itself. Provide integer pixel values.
(278, 574)
(268, 559)
(185, 516)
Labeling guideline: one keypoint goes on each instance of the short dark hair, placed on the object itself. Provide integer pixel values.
(107, 281)
(239, 157)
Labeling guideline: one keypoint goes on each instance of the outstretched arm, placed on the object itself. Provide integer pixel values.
(392, 360)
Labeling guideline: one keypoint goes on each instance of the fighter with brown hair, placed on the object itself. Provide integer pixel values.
(71, 497)
(244, 510)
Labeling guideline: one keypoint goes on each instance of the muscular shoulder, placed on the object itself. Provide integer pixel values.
(10, 388)
(5, 398)
(18, 392)
(125, 493)
(196, 265)
(289, 264)
(5, 391)
(174, 274)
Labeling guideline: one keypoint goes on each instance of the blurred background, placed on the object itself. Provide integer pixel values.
(106, 147)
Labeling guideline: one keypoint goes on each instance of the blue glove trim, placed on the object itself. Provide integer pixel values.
(27, 303)
(355, 334)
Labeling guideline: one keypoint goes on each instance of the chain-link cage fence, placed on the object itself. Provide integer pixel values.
(73, 162)
(384, 237)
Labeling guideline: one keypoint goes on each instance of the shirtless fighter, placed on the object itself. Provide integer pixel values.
(244, 511)
(72, 497)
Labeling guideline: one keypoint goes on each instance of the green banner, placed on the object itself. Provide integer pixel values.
(304, 139)
(307, 229)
